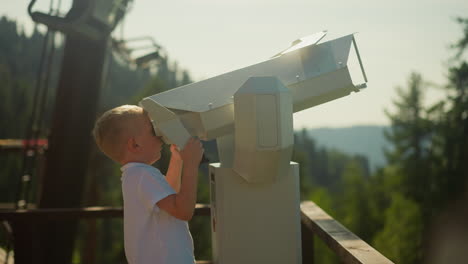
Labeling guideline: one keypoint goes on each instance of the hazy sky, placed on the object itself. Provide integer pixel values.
(210, 37)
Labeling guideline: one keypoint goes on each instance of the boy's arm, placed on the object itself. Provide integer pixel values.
(181, 205)
(175, 169)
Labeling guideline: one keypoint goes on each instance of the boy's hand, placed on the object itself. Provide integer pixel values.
(182, 204)
(175, 153)
(192, 152)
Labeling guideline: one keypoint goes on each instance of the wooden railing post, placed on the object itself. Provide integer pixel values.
(307, 244)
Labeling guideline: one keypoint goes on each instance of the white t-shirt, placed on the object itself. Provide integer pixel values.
(152, 235)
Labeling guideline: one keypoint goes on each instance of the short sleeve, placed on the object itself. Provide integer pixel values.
(153, 188)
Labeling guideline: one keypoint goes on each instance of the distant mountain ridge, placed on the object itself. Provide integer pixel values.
(364, 140)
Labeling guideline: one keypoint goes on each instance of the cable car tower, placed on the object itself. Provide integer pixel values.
(87, 27)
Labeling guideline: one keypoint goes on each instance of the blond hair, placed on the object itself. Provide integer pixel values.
(113, 129)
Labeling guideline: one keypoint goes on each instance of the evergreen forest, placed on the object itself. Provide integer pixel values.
(403, 209)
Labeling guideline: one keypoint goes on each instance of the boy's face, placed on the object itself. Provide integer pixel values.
(150, 144)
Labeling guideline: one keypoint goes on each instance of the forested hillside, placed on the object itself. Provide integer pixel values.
(369, 141)
(395, 208)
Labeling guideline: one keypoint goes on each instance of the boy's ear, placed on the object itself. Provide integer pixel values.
(132, 145)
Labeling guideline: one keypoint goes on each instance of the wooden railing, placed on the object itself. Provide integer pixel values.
(314, 222)
(349, 248)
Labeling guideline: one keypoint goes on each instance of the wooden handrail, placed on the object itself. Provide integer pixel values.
(349, 247)
(21, 144)
(75, 213)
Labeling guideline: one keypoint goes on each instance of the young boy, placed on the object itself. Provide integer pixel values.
(156, 208)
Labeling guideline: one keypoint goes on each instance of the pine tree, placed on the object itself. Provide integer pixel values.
(454, 175)
(410, 135)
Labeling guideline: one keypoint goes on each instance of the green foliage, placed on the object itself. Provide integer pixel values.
(461, 45)
(355, 199)
(342, 195)
(18, 61)
(322, 198)
(320, 166)
(401, 238)
(428, 169)
(16, 78)
(454, 147)
(411, 136)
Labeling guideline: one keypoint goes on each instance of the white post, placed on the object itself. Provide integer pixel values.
(255, 223)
